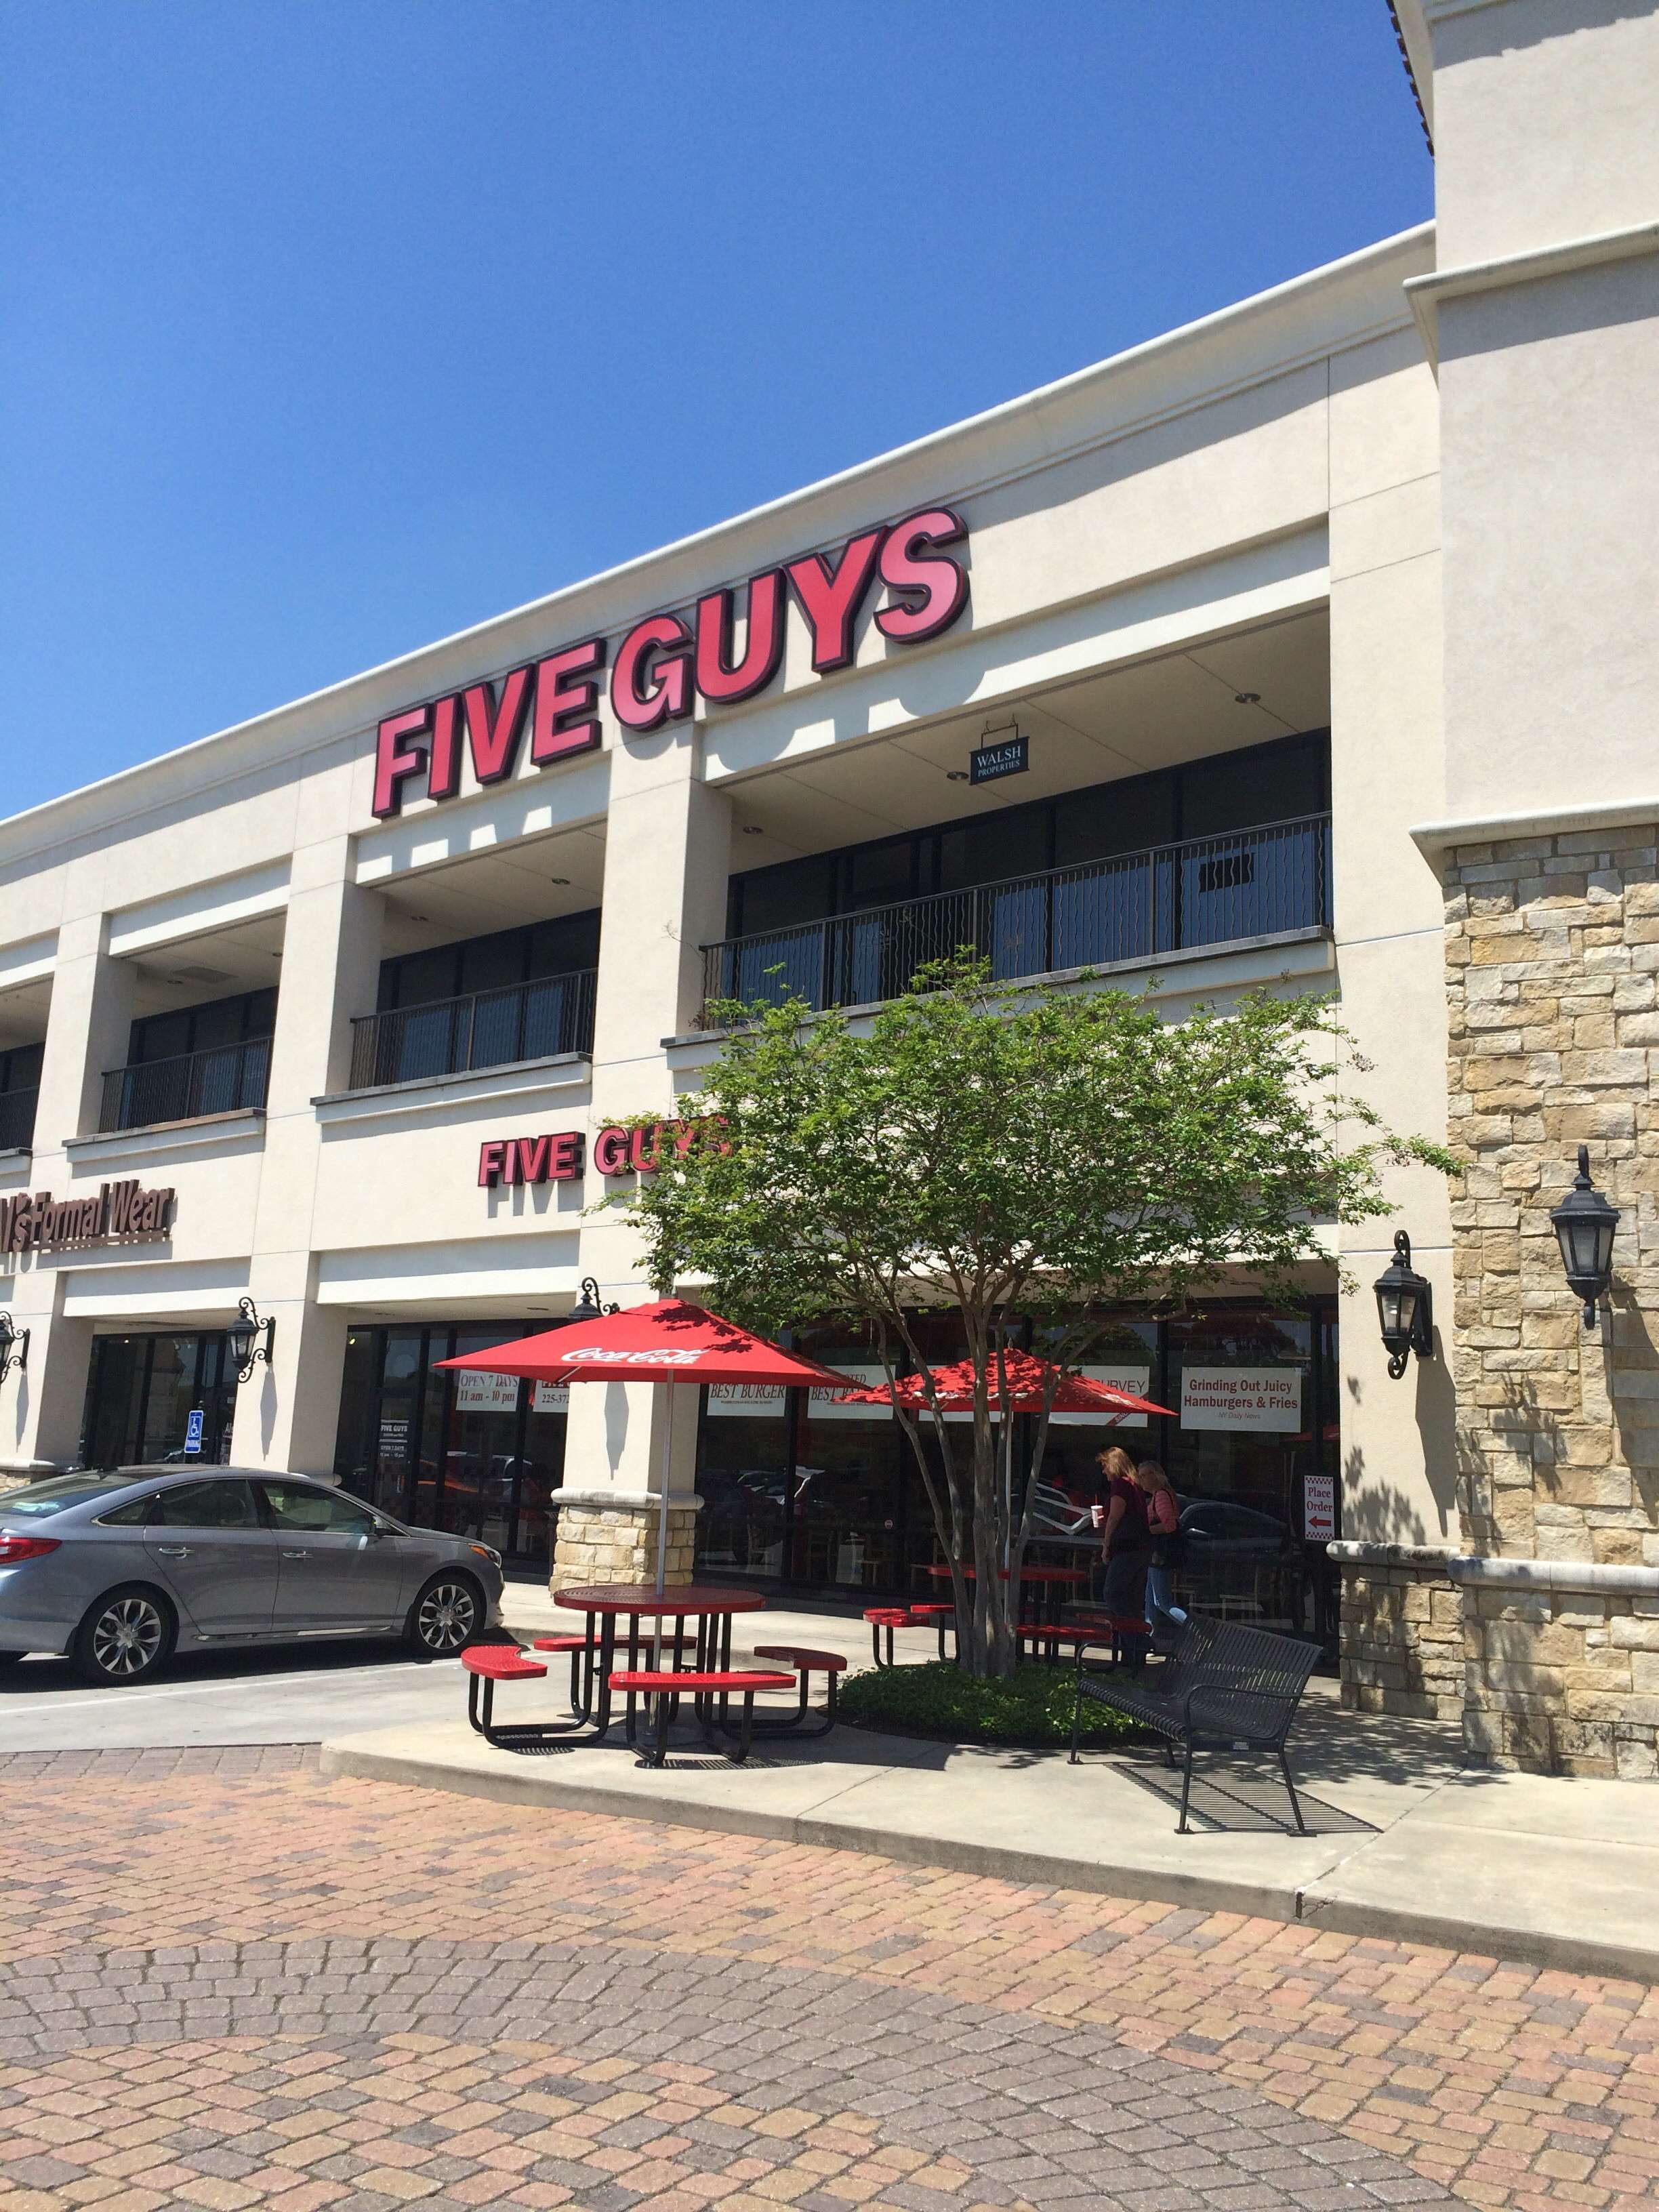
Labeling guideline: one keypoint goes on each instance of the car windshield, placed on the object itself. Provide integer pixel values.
(56, 1496)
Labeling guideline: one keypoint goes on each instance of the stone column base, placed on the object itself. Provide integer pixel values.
(1401, 1632)
(611, 1536)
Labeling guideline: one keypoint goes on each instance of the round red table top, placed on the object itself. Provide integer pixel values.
(642, 1598)
(1026, 1574)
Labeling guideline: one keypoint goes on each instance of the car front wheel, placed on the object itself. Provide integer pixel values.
(126, 1637)
(445, 1618)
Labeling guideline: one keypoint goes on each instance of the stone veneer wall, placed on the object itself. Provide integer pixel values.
(1562, 1666)
(1552, 994)
(601, 1538)
(1402, 1635)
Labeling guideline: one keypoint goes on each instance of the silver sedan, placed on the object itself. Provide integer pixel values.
(119, 1570)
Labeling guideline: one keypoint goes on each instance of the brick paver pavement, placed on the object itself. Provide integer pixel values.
(227, 1981)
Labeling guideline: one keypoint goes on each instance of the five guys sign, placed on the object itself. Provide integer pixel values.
(504, 1161)
(666, 663)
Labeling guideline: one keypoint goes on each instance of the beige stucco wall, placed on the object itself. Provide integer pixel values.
(1260, 465)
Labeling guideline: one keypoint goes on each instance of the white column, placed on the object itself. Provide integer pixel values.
(41, 1405)
(88, 1031)
(667, 853)
(287, 1411)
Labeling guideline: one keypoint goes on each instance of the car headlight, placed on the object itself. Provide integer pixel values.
(484, 1552)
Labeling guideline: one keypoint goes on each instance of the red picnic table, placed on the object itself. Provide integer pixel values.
(1051, 1580)
(711, 1605)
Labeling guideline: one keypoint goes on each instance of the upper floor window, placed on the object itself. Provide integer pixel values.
(191, 1061)
(495, 962)
(19, 1087)
(206, 1028)
(1214, 852)
(517, 994)
(1280, 781)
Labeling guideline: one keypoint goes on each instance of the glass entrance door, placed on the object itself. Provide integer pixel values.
(142, 1390)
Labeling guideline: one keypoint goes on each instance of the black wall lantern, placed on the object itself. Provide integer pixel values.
(587, 1306)
(14, 1348)
(1405, 1308)
(242, 1337)
(1583, 1224)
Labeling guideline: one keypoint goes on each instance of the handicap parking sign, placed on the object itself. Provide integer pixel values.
(193, 1433)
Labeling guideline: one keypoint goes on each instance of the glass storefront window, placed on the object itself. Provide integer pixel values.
(1255, 1412)
(1242, 1380)
(481, 1460)
(476, 1454)
(854, 1473)
(743, 1477)
(1070, 1478)
(542, 1470)
(142, 1390)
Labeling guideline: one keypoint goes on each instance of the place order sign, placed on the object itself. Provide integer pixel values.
(667, 662)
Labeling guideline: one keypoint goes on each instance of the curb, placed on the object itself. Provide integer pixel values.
(1323, 1909)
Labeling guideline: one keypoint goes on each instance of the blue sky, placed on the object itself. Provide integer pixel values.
(332, 328)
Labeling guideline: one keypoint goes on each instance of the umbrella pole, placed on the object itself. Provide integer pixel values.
(662, 1517)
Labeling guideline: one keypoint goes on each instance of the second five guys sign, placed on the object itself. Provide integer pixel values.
(667, 662)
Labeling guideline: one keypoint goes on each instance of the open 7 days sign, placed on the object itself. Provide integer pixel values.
(667, 662)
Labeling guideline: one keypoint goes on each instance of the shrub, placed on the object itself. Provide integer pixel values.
(1033, 1705)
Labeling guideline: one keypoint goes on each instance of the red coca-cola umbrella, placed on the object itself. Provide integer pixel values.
(1028, 1378)
(670, 1340)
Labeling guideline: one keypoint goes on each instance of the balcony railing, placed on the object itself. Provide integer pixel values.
(1209, 891)
(220, 1080)
(17, 1120)
(529, 1021)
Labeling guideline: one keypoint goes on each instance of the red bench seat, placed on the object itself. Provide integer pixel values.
(500, 1663)
(807, 1663)
(644, 1680)
(486, 1664)
(665, 1684)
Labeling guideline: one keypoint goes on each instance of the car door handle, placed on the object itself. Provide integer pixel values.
(174, 1550)
(296, 1555)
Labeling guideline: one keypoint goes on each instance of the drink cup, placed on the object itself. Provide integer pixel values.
(1097, 1514)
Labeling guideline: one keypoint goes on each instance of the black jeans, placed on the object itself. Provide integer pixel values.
(1121, 1587)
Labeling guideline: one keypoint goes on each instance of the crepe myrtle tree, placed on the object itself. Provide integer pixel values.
(994, 1153)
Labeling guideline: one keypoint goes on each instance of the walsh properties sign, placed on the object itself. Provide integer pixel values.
(668, 661)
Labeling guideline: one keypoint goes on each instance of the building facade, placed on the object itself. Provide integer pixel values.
(1310, 643)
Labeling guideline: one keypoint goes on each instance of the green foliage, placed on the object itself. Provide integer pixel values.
(1031, 1705)
(999, 1151)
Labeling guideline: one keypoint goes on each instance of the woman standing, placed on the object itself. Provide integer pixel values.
(1163, 1523)
(1125, 1544)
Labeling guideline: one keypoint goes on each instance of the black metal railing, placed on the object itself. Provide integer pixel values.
(17, 1120)
(1209, 890)
(220, 1080)
(529, 1021)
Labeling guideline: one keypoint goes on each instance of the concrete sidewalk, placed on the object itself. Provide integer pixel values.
(1406, 1842)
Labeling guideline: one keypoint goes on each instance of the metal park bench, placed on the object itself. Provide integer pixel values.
(1226, 1687)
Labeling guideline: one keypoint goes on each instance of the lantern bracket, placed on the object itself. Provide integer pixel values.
(1405, 1306)
(14, 1348)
